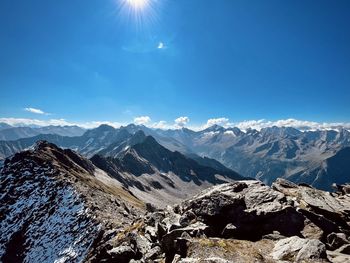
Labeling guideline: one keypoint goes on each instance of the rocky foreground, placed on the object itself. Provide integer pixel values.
(56, 206)
(244, 221)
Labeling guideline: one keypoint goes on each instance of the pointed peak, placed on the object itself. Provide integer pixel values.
(214, 128)
(105, 127)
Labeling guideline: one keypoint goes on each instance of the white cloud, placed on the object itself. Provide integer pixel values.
(298, 124)
(218, 121)
(230, 133)
(142, 120)
(182, 121)
(160, 125)
(160, 45)
(36, 111)
(94, 124)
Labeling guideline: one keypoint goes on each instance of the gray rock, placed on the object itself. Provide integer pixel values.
(197, 229)
(298, 249)
(252, 207)
(153, 253)
(313, 249)
(345, 249)
(122, 253)
(274, 236)
(152, 233)
(187, 218)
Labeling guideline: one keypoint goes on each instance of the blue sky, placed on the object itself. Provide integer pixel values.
(86, 61)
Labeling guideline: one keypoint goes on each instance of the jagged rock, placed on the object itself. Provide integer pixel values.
(187, 218)
(342, 188)
(197, 229)
(253, 208)
(153, 218)
(229, 231)
(153, 253)
(152, 233)
(122, 253)
(150, 208)
(336, 240)
(298, 249)
(143, 244)
(274, 236)
(172, 220)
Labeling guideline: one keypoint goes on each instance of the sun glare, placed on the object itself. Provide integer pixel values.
(138, 4)
(139, 12)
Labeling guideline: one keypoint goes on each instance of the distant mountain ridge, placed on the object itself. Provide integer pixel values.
(10, 133)
(160, 173)
(266, 154)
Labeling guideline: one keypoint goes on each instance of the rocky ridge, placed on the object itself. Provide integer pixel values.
(56, 206)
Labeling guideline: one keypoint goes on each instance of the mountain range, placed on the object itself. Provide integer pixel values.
(8, 132)
(300, 156)
(59, 206)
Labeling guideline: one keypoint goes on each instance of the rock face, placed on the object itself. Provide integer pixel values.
(157, 175)
(246, 221)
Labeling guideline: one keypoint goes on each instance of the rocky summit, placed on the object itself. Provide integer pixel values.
(57, 206)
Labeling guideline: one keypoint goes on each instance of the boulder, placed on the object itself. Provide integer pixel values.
(252, 207)
(298, 249)
(122, 253)
(197, 229)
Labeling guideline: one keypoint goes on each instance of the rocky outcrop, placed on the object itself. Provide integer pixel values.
(246, 221)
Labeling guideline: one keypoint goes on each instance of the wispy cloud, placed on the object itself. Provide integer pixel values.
(218, 121)
(161, 125)
(36, 111)
(57, 122)
(142, 120)
(298, 124)
(161, 45)
(182, 121)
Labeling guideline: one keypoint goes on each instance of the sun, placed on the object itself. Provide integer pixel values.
(141, 13)
(138, 4)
